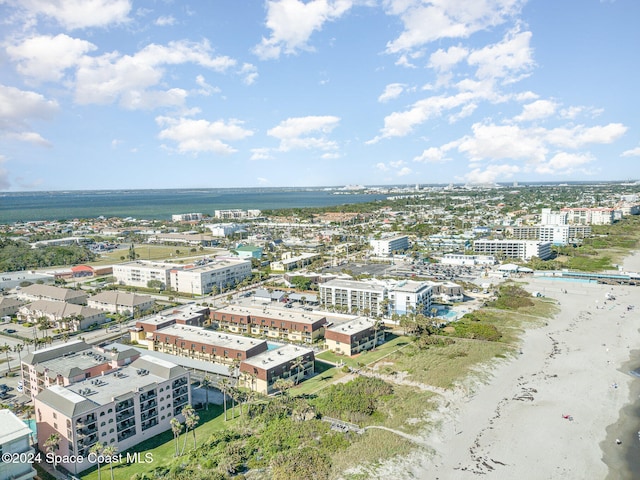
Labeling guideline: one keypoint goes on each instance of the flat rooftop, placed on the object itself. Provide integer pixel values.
(409, 286)
(354, 284)
(354, 326)
(219, 339)
(273, 313)
(73, 363)
(273, 358)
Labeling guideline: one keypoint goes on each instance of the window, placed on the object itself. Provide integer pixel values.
(102, 414)
(55, 415)
(103, 424)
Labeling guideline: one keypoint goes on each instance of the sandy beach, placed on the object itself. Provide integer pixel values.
(555, 410)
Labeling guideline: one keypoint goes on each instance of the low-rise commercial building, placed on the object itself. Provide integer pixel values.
(468, 260)
(290, 262)
(120, 409)
(259, 373)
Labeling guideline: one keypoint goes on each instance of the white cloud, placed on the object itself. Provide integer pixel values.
(112, 77)
(537, 110)
(444, 61)
(432, 155)
(490, 141)
(263, 181)
(18, 108)
(249, 72)
(164, 21)
(404, 171)
(634, 152)
(564, 163)
(391, 92)
(195, 136)
(205, 88)
(382, 167)
(4, 175)
(45, 58)
(294, 133)
(427, 21)
(508, 59)
(292, 22)
(261, 154)
(74, 14)
(579, 136)
(491, 173)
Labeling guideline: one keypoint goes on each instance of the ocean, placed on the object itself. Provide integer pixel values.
(161, 204)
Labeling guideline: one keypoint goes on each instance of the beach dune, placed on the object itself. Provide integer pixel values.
(552, 412)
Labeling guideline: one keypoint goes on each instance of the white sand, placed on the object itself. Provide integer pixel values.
(512, 427)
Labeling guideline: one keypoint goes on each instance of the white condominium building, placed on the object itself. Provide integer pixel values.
(410, 296)
(139, 272)
(523, 249)
(200, 279)
(354, 296)
(389, 245)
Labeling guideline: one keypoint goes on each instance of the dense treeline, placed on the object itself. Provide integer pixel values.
(16, 256)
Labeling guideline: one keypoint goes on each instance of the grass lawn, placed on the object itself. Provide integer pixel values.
(162, 446)
(392, 344)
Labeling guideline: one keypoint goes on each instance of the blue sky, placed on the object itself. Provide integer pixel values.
(103, 94)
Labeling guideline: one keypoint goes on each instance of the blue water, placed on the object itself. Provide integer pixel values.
(272, 346)
(32, 425)
(161, 204)
(566, 279)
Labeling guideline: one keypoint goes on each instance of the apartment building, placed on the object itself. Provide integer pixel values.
(290, 262)
(200, 279)
(355, 336)
(186, 217)
(54, 294)
(138, 273)
(410, 296)
(202, 344)
(522, 249)
(260, 372)
(589, 216)
(62, 315)
(121, 408)
(389, 245)
(67, 364)
(468, 260)
(280, 324)
(126, 303)
(15, 440)
(189, 314)
(354, 296)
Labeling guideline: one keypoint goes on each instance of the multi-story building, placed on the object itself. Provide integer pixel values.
(121, 302)
(189, 314)
(120, 409)
(589, 216)
(281, 324)
(63, 315)
(353, 337)
(9, 306)
(409, 296)
(15, 441)
(353, 296)
(233, 214)
(260, 372)
(200, 279)
(138, 273)
(186, 217)
(389, 245)
(556, 234)
(548, 217)
(223, 229)
(523, 249)
(203, 344)
(67, 364)
(189, 239)
(53, 294)
(290, 262)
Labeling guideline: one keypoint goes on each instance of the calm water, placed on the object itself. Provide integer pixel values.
(160, 204)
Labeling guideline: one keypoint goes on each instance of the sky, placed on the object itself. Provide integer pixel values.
(109, 94)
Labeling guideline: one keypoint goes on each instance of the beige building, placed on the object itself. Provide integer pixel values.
(67, 364)
(120, 302)
(120, 409)
(54, 294)
(201, 279)
(260, 372)
(189, 314)
(63, 315)
(15, 439)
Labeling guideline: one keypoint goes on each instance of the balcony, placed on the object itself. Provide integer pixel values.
(147, 396)
(148, 405)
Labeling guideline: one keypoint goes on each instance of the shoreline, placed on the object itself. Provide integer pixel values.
(514, 425)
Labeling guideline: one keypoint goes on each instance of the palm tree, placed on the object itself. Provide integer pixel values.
(377, 325)
(51, 445)
(297, 364)
(191, 419)
(110, 451)
(6, 349)
(176, 428)
(223, 385)
(17, 348)
(206, 381)
(97, 449)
